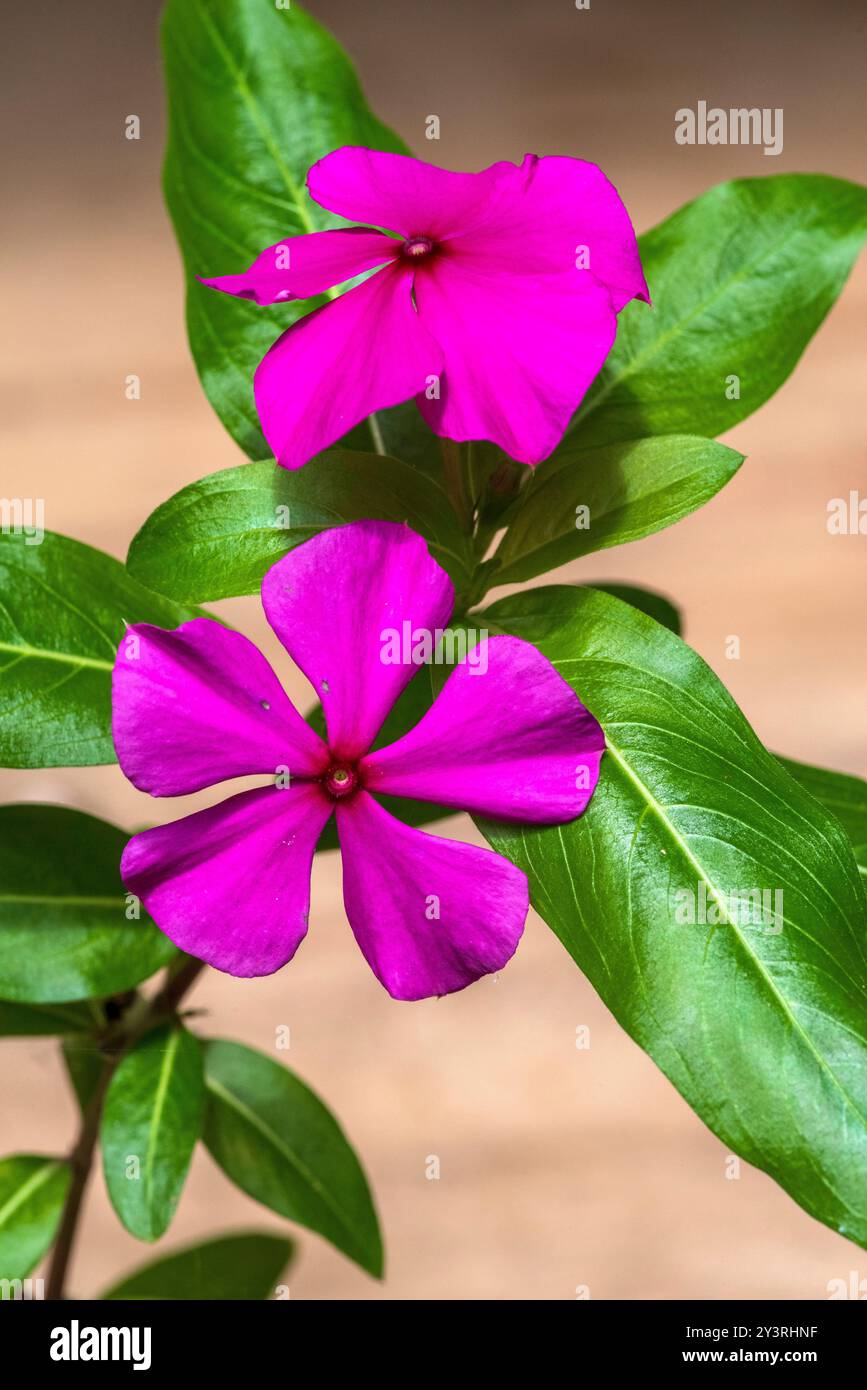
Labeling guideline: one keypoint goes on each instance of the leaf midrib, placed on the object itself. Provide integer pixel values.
(56, 900)
(157, 1116)
(257, 116)
(43, 654)
(37, 1180)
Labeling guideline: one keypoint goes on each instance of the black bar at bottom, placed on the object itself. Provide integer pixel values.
(69, 1339)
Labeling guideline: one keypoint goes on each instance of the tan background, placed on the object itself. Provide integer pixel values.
(559, 1168)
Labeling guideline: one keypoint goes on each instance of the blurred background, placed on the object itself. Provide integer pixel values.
(559, 1168)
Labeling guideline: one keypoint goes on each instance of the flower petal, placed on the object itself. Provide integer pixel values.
(561, 214)
(520, 352)
(506, 738)
(302, 266)
(231, 885)
(365, 351)
(200, 704)
(331, 602)
(407, 195)
(430, 915)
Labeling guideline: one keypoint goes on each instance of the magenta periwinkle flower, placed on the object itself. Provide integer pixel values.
(506, 738)
(495, 306)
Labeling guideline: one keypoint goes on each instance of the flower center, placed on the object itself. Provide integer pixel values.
(416, 246)
(340, 781)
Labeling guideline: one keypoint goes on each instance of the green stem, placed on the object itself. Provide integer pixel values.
(80, 1161)
(454, 457)
(142, 1016)
(376, 434)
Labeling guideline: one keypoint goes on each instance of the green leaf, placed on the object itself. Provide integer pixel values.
(758, 1021)
(841, 794)
(276, 1141)
(84, 1061)
(64, 932)
(629, 490)
(150, 1124)
(32, 1192)
(217, 537)
(63, 615)
(35, 1021)
(256, 95)
(648, 601)
(235, 1268)
(741, 279)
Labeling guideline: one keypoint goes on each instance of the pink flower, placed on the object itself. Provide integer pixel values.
(231, 884)
(495, 309)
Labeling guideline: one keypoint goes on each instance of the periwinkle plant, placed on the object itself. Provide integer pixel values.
(438, 424)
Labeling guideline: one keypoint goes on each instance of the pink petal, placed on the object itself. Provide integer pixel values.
(430, 915)
(197, 705)
(520, 352)
(511, 741)
(558, 207)
(366, 351)
(331, 600)
(302, 266)
(231, 885)
(407, 195)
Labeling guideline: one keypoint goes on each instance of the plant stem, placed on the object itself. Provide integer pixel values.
(167, 999)
(115, 1043)
(376, 434)
(455, 482)
(80, 1161)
